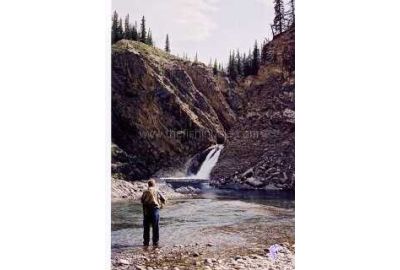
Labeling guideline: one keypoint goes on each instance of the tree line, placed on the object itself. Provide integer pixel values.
(245, 65)
(130, 31)
(238, 64)
(216, 66)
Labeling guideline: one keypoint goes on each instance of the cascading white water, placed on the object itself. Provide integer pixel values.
(209, 163)
(205, 168)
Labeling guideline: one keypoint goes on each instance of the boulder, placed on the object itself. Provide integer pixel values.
(254, 182)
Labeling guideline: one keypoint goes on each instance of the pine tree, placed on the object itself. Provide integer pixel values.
(264, 53)
(278, 26)
(215, 68)
(167, 48)
(149, 38)
(120, 30)
(250, 63)
(239, 65)
(135, 35)
(127, 28)
(244, 63)
(291, 13)
(114, 27)
(232, 68)
(230, 65)
(143, 34)
(247, 64)
(256, 59)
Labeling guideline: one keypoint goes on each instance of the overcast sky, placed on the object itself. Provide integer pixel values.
(210, 27)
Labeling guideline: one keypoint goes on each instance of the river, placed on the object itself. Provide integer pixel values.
(216, 217)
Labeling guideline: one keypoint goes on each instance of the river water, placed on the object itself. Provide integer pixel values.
(205, 219)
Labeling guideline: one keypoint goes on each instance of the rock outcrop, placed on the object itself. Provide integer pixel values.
(164, 110)
(259, 152)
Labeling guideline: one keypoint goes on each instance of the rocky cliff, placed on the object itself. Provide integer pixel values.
(164, 110)
(259, 151)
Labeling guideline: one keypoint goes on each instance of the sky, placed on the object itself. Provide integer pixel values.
(209, 27)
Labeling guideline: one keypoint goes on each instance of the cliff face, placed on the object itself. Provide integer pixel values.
(259, 152)
(164, 110)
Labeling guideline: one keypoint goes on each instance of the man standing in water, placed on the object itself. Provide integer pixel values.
(152, 201)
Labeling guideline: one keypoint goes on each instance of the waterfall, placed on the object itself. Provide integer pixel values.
(206, 166)
(209, 163)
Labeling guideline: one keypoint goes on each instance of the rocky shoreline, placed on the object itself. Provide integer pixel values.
(276, 257)
(126, 190)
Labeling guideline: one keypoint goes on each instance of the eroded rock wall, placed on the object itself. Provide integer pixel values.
(259, 152)
(164, 110)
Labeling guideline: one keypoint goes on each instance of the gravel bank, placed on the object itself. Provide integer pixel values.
(124, 190)
(282, 257)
